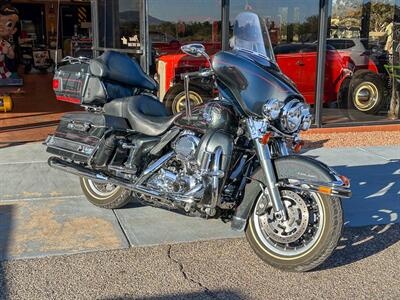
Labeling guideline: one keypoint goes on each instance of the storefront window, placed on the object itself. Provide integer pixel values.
(174, 23)
(361, 37)
(293, 27)
(119, 24)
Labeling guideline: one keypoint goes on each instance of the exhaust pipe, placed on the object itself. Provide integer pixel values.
(81, 171)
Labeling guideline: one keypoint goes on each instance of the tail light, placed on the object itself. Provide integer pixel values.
(56, 84)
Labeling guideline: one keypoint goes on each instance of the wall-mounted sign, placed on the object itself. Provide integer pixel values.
(131, 42)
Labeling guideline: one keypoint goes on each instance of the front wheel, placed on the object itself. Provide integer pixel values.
(305, 240)
(105, 195)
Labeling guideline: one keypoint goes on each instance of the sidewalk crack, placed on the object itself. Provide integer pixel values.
(185, 275)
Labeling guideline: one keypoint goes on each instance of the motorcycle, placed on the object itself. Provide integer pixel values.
(229, 158)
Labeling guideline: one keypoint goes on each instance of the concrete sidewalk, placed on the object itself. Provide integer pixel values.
(43, 212)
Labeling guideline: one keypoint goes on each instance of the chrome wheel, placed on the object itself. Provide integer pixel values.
(299, 233)
(366, 96)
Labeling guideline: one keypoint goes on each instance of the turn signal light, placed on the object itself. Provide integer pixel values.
(56, 84)
(325, 190)
(297, 148)
(345, 180)
(265, 138)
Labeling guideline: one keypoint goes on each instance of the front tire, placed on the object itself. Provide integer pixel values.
(105, 195)
(308, 237)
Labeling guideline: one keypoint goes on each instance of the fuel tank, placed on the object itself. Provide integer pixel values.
(252, 80)
(213, 115)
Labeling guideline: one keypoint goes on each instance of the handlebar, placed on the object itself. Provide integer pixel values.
(200, 74)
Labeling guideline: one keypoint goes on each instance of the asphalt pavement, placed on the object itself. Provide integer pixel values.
(365, 266)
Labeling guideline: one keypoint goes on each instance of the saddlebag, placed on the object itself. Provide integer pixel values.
(79, 135)
(74, 83)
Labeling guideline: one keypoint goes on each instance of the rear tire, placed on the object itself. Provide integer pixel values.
(302, 253)
(105, 195)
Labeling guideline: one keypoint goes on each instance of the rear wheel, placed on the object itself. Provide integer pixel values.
(305, 240)
(105, 195)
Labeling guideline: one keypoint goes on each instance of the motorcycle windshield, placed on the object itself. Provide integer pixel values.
(251, 34)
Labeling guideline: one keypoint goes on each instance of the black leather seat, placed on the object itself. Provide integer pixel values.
(145, 114)
(120, 68)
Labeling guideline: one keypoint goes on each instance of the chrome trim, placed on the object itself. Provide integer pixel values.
(264, 156)
(283, 149)
(186, 81)
(154, 167)
(216, 174)
(82, 171)
(272, 109)
(338, 188)
(256, 128)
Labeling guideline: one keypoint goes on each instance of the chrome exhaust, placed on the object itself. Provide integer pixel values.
(82, 171)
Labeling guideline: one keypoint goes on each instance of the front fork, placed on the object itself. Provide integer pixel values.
(264, 156)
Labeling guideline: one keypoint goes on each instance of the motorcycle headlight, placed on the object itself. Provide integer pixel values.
(295, 115)
(272, 109)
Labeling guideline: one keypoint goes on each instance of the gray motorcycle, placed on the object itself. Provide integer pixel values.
(231, 158)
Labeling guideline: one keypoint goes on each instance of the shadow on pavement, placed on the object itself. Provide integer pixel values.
(6, 213)
(376, 194)
(203, 295)
(375, 189)
(359, 243)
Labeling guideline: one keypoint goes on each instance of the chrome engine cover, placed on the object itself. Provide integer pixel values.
(186, 145)
(182, 177)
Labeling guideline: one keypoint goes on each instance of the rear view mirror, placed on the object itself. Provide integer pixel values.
(195, 50)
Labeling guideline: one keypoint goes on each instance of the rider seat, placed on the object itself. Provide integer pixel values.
(144, 113)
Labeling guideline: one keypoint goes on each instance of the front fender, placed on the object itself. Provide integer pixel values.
(297, 167)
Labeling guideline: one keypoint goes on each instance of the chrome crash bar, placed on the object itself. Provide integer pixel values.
(338, 188)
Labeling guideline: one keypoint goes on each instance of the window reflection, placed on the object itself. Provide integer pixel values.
(293, 27)
(119, 24)
(174, 23)
(363, 32)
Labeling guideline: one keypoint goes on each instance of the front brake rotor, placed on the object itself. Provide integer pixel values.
(296, 224)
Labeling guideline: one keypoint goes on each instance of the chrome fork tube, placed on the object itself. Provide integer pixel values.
(264, 156)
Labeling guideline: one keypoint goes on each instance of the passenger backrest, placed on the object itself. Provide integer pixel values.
(120, 68)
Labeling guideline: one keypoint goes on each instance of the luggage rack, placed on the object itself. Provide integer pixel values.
(75, 60)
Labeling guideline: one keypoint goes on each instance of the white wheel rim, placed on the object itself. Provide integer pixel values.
(99, 193)
(366, 96)
(179, 104)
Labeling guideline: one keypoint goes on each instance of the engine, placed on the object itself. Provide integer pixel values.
(181, 175)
